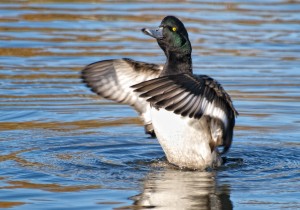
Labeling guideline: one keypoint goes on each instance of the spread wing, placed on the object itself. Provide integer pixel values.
(192, 96)
(112, 79)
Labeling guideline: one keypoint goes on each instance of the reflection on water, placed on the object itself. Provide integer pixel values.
(170, 189)
(64, 146)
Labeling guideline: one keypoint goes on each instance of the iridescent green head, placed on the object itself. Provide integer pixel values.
(171, 36)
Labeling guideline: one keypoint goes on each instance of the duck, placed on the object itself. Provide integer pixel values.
(192, 116)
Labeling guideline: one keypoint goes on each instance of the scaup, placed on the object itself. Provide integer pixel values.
(191, 115)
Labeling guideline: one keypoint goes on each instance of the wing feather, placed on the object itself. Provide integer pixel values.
(187, 94)
(193, 96)
(112, 79)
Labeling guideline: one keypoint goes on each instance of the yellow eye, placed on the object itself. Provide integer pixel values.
(174, 29)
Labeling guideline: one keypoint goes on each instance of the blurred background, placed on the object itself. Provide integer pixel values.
(63, 147)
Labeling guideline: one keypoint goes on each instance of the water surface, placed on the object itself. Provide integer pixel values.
(63, 147)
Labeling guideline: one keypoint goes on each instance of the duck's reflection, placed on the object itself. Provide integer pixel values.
(175, 189)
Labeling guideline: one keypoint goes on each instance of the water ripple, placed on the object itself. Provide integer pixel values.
(64, 146)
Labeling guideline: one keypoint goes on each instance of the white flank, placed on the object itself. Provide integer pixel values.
(185, 141)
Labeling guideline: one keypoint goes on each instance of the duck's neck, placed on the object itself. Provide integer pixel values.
(177, 64)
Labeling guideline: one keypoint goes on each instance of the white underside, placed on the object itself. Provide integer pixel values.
(185, 141)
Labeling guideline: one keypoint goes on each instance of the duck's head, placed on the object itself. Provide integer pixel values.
(171, 36)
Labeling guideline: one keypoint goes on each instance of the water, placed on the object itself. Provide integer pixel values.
(63, 147)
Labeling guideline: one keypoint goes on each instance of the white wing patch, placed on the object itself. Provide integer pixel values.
(215, 112)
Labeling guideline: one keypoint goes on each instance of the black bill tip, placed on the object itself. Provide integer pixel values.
(155, 33)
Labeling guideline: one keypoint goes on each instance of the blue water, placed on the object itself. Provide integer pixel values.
(65, 148)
